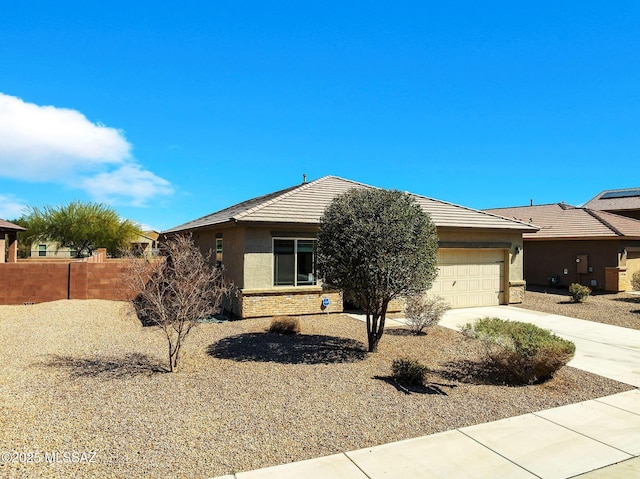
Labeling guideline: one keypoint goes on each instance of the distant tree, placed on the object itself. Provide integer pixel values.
(376, 245)
(174, 292)
(83, 227)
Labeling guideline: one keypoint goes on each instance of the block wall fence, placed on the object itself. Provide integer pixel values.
(31, 281)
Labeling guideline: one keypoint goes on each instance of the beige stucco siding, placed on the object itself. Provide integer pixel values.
(248, 259)
(258, 259)
(258, 267)
(232, 249)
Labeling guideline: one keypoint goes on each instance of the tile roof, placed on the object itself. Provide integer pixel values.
(561, 221)
(615, 200)
(6, 226)
(305, 204)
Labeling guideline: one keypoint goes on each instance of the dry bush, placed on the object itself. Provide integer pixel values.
(285, 325)
(635, 281)
(175, 292)
(423, 311)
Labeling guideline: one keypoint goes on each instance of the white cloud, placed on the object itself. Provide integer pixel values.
(11, 207)
(128, 181)
(60, 145)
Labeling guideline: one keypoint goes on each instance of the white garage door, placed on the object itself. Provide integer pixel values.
(470, 277)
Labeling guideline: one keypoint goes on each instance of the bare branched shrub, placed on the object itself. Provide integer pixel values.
(175, 291)
(635, 281)
(423, 311)
(285, 325)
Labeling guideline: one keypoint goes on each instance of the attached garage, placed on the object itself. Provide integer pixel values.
(471, 277)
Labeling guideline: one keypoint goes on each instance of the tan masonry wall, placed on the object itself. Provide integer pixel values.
(288, 302)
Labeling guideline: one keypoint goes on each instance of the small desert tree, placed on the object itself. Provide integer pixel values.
(175, 291)
(376, 245)
(80, 226)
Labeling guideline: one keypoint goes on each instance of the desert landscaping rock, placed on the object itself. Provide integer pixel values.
(85, 376)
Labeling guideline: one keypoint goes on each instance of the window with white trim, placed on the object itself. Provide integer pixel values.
(294, 262)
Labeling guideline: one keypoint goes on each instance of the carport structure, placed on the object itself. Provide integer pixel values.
(9, 241)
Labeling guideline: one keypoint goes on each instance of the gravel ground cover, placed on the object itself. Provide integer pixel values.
(84, 378)
(621, 309)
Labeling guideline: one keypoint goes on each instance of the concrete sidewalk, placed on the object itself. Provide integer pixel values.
(591, 440)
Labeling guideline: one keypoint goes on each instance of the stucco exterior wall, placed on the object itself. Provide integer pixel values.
(232, 250)
(546, 259)
(248, 260)
(258, 259)
(258, 244)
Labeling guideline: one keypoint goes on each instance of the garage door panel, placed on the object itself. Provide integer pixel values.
(470, 277)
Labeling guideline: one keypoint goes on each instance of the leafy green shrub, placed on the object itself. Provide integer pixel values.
(579, 293)
(522, 353)
(423, 311)
(409, 372)
(285, 325)
(635, 281)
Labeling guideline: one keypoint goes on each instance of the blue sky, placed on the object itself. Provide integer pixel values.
(171, 110)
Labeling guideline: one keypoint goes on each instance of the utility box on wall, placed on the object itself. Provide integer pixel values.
(616, 279)
(582, 263)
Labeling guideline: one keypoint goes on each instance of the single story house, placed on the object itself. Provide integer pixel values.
(578, 245)
(625, 202)
(146, 244)
(267, 245)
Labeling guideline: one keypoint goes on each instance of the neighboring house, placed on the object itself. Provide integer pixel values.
(624, 202)
(50, 249)
(578, 245)
(9, 241)
(145, 244)
(267, 247)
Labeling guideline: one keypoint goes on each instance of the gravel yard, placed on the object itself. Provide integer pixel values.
(84, 376)
(621, 309)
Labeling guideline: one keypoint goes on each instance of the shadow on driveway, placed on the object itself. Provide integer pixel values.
(288, 349)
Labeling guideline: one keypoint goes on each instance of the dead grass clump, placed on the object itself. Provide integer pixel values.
(285, 325)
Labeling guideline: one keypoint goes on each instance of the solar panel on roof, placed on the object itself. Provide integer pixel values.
(620, 194)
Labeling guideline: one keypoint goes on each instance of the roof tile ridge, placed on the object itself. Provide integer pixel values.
(286, 194)
(595, 215)
(530, 206)
(530, 225)
(566, 206)
(353, 181)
